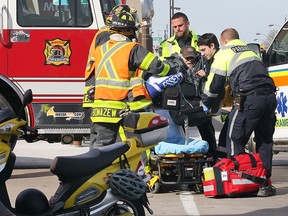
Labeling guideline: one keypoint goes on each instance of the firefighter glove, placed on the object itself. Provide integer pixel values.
(91, 92)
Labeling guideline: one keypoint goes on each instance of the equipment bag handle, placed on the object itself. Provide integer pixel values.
(236, 163)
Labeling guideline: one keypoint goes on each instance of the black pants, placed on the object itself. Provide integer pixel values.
(207, 132)
(103, 134)
(258, 115)
(221, 148)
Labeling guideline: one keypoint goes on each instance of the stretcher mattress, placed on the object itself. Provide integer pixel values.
(179, 146)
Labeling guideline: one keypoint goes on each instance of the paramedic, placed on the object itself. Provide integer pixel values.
(254, 99)
(208, 46)
(182, 36)
(114, 75)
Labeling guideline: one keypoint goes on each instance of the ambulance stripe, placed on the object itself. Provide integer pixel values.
(280, 77)
(281, 81)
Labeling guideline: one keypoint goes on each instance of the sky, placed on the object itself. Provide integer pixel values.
(248, 17)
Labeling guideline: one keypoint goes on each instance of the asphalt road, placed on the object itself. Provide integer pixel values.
(32, 172)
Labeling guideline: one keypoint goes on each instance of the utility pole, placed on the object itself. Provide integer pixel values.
(172, 8)
(166, 32)
(170, 15)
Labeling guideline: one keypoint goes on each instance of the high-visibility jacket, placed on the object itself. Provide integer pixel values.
(112, 75)
(170, 46)
(237, 65)
(100, 37)
(118, 68)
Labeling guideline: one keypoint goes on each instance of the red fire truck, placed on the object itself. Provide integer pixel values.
(44, 47)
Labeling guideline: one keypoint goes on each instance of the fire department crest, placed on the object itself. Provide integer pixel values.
(57, 52)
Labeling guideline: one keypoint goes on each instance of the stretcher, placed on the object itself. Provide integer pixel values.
(185, 167)
(178, 161)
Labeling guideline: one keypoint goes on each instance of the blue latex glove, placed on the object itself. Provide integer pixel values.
(205, 108)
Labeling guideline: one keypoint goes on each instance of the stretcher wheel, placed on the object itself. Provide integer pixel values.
(155, 188)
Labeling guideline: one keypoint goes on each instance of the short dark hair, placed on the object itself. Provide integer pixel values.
(207, 39)
(230, 34)
(179, 15)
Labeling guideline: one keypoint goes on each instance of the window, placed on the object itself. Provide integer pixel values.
(53, 13)
(279, 48)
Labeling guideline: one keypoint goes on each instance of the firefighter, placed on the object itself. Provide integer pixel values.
(182, 36)
(115, 75)
(254, 99)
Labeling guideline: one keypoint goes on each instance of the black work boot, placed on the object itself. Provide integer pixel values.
(265, 191)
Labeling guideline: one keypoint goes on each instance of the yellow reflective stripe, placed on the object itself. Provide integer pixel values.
(105, 119)
(194, 39)
(105, 112)
(104, 48)
(136, 81)
(218, 72)
(122, 133)
(140, 73)
(147, 61)
(109, 67)
(119, 84)
(112, 83)
(108, 55)
(240, 60)
(135, 105)
(87, 105)
(86, 89)
(207, 85)
(165, 70)
(170, 48)
(110, 104)
(141, 104)
(148, 167)
(171, 45)
(91, 61)
(138, 105)
(86, 101)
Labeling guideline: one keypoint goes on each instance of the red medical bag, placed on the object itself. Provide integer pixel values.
(236, 175)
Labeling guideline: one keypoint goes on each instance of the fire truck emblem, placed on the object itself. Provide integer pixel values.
(67, 115)
(57, 52)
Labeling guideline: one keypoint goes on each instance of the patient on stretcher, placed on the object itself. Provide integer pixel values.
(176, 142)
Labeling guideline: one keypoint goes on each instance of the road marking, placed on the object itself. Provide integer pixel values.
(189, 205)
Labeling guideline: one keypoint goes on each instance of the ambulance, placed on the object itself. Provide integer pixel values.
(44, 47)
(276, 60)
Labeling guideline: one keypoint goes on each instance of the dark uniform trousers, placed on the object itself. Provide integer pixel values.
(103, 133)
(258, 115)
(207, 132)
